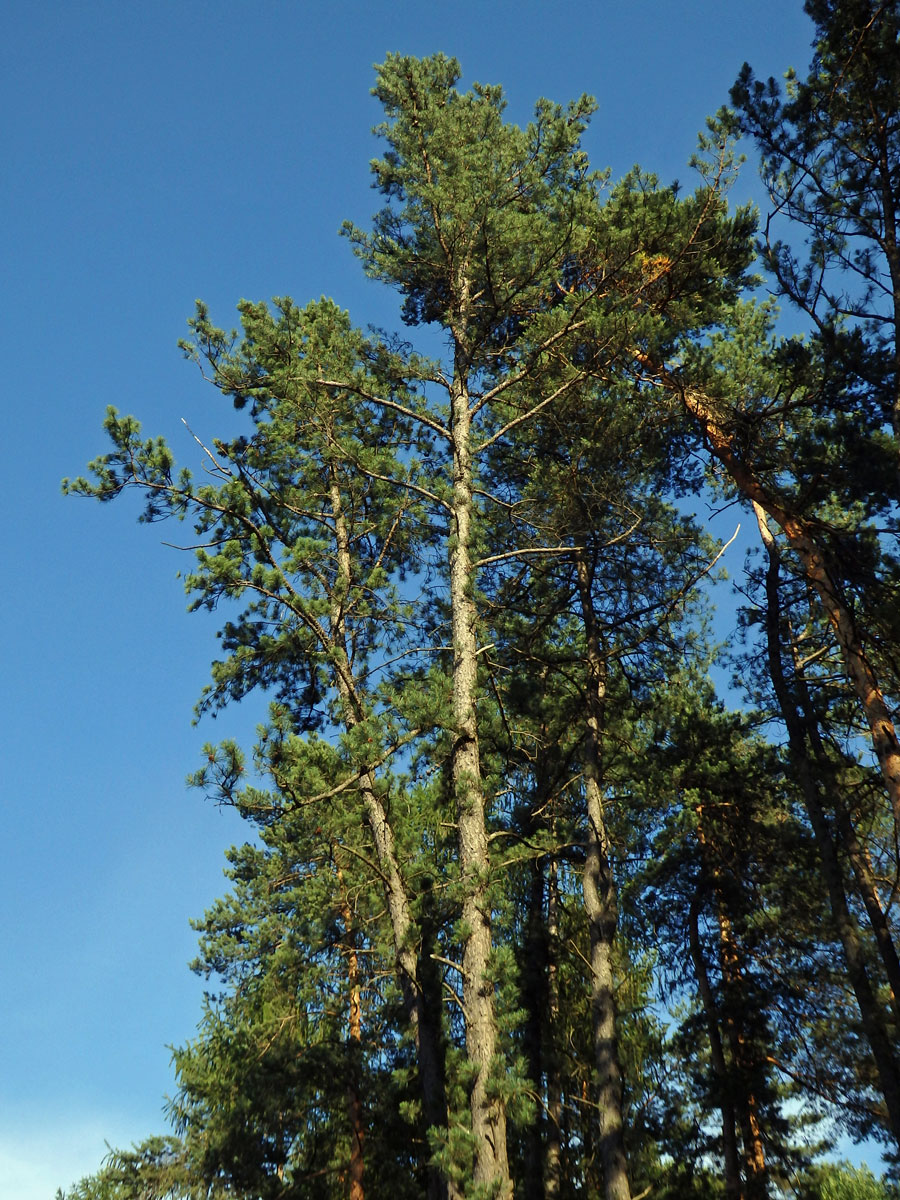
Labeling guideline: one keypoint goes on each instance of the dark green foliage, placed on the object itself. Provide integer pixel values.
(840, 1181)
(473, 594)
(157, 1169)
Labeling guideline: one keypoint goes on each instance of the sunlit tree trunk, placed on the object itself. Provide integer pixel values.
(813, 563)
(488, 1111)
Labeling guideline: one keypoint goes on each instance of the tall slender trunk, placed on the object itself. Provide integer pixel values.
(602, 913)
(541, 1002)
(874, 1026)
(733, 1188)
(742, 1102)
(885, 176)
(423, 1022)
(757, 1172)
(354, 1101)
(488, 1111)
(867, 889)
(753, 1151)
(866, 886)
(552, 1142)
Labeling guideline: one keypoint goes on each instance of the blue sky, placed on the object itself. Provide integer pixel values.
(155, 153)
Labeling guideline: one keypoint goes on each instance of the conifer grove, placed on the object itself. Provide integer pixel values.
(526, 907)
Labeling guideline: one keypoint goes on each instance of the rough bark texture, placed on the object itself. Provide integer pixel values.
(599, 902)
(813, 561)
(874, 1025)
(487, 1112)
(601, 909)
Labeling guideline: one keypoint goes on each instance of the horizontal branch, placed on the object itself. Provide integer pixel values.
(483, 562)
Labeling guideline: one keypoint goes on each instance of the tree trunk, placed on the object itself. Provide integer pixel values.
(426, 1031)
(741, 1101)
(813, 562)
(867, 889)
(552, 1146)
(602, 913)
(874, 1025)
(354, 1102)
(541, 1002)
(733, 1189)
(488, 1112)
(866, 886)
(753, 1152)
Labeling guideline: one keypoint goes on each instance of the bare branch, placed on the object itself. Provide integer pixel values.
(483, 562)
(218, 466)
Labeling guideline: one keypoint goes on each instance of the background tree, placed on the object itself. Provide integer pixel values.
(829, 158)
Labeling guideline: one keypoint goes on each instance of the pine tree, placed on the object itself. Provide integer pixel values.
(368, 471)
(829, 154)
(819, 460)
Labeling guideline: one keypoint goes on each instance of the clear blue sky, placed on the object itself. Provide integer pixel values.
(153, 153)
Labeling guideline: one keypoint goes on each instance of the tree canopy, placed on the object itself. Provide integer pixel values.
(525, 906)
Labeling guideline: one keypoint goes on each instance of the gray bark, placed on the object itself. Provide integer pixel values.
(602, 912)
(488, 1113)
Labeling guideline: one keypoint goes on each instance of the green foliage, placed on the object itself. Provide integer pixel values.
(472, 592)
(841, 1181)
(157, 1169)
